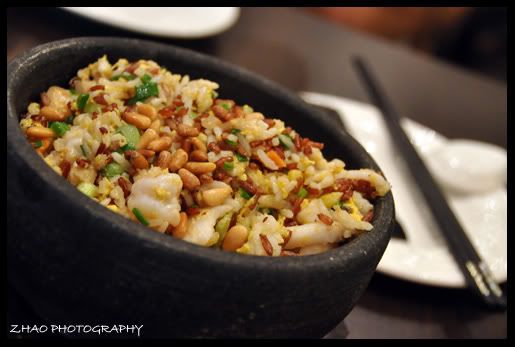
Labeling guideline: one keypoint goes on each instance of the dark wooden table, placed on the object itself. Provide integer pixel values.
(303, 53)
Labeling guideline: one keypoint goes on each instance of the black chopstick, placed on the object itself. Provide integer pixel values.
(477, 275)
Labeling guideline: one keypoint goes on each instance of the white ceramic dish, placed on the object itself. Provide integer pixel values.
(178, 22)
(423, 257)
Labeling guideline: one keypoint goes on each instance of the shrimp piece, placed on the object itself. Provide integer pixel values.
(58, 98)
(313, 234)
(201, 228)
(156, 196)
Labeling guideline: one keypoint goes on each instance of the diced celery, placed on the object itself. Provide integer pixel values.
(222, 226)
(113, 169)
(92, 107)
(286, 141)
(247, 109)
(88, 188)
(131, 134)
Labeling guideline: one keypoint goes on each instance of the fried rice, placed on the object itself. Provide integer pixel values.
(167, 152)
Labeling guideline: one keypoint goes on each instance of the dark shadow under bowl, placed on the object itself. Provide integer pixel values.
(77, 262)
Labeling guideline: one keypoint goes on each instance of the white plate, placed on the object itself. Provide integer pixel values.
(179, 22)
(424, 257)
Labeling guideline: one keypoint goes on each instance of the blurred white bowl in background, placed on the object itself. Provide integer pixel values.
(176, 22)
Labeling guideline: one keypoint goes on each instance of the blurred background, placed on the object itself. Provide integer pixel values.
(475, 38)
(470, 37)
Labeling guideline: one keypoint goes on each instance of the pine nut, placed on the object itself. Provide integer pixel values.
(213, 147)
(221, 113)
(187, 131)
(200, 168)
(147, 110)
(186, 144)
(160, 144)
(198, 144)
(51, 114)
(148, 136)
(139, 161)
(235, 238)
(164, 159)
(205, 178)
(179, 158)
(156, 125)
(136, 119)
(180, 230)
(198, 155)
(216, 196)
(198, 199)
(189, 180)
(40, 132)
(147, 153)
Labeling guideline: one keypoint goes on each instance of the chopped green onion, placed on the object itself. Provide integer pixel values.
(84, 150)
(69, 120)
(247, 109)
(146, 78)
(226, 106)
(144, 90)
(232, 143)
(244, 194)
(235, 131)
(286, 141)
(38, 144)
(241, 158)
(193, 115)
(89, 189)
(82, 100)
(140, 216)
(128, 147)
(131, 134)
(124, 75)
(228, 165)
(214, 94)
(73, 91)
(59, 128)
(179, 108)
(113, 169)
(302, 193)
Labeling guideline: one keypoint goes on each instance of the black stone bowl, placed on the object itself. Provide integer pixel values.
(77, 262)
